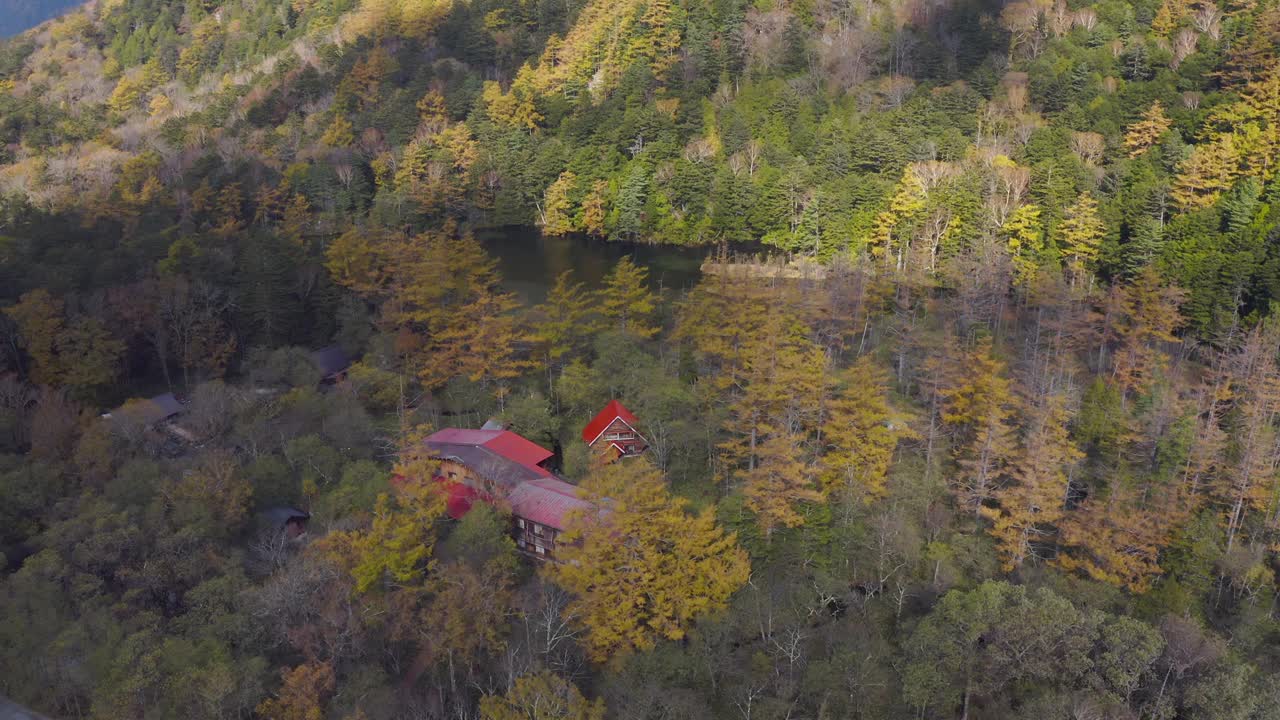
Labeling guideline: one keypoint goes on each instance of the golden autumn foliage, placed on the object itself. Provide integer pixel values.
(978, 402)
(1116, 538)
(541, 696)
(777, 391)
(339, 133)
(777, 483)
(410, 18)
(1143, 315)
(214, 495)
(722, 320)
(563, 323)
(1240, 139)
(435, 169)
(1024, 233)
(441, 296)
(517, 107)
(626, 301)
(595, 210)
(1210, 171)
(1079, 237)
(643, 569)
(302, 695)
(557, 207)
(396, 548)
(78, 352)
(1034, 500)
(861, 432)
(607, 35)
(889, 240)
(1145, 133)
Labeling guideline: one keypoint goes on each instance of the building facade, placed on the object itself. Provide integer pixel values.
(507, 471)
(613, 430)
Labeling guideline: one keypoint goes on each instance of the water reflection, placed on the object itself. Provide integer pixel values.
(530, 262)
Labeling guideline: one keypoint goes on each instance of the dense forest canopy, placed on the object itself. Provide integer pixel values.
(992, 433)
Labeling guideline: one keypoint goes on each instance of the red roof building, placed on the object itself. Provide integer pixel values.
(504, 469)
(614, 429)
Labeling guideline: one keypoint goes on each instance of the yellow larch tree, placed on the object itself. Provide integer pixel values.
(1024, 238)
(1144, 316)
(778, 482)
(861, 433)
(1080, 237)
(1034, 500)
(640, 568)
(486, 343)
(1210, 171)
(1145, 133)
(564, 321)
(302, 695)
(595, 210)
(779, 390)
(395, 550)
(1116, 536)
(339, 133)
(658, 37)
(626, 301)
(978, 404)
(890, 241)
(557, 207)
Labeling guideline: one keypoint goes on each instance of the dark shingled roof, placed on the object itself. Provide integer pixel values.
(330, 360)
(280, 516)
(151, 410)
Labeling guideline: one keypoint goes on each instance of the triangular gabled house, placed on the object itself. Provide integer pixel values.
(614, 429)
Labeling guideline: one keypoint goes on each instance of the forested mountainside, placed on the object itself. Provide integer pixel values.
(994, 436)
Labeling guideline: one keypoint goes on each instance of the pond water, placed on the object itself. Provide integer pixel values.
(530, 262)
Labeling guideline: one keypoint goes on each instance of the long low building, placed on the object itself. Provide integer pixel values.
(508, 471)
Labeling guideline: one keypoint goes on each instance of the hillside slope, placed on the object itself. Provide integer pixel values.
(996, 436)
(673, 122)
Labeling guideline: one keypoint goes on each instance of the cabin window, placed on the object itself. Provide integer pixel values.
(537, 529)
(619, 436)
(540, 550)
(519, 522)
(453, 475)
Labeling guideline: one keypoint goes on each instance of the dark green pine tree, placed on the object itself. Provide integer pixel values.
(267, 306)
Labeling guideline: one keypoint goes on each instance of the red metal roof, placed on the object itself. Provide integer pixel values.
(546, 501)
(502, 443)
(512, 446)
(611, 412)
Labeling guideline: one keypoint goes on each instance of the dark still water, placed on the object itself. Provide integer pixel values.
(530, 261)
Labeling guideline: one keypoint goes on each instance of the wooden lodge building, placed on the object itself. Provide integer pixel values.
(613, 430)
(499, 467)
(504, 469)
